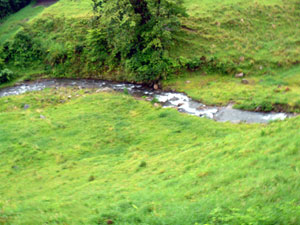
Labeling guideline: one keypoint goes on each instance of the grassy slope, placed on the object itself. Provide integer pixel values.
(265, 33)
(106, 156)
(66, 8)
(258, 38)
(10, 25)
(69, 9)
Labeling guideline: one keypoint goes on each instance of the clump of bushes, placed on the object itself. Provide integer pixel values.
(5, 74)
(23, 50)
(211, 64)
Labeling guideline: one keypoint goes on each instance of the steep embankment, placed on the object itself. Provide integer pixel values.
(98, 157)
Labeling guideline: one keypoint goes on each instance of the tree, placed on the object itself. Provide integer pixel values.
(137, 34)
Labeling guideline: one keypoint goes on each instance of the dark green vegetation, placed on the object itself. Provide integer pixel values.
(10, 6)
(136, 35)
(5, 74)
(106, 156)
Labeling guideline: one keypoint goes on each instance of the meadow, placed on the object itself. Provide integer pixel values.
(101, 157)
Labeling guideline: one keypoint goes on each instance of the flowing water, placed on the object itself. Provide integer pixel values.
(176, 100)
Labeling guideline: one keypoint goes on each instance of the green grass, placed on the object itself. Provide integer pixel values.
(95, 157)
(69, 9)
(63, 8)
(107, 156)
(280, 92)
(12, 24)
(196, 7)
(245, 35)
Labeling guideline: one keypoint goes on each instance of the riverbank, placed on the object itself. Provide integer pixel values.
(279, 92)
(179, 101)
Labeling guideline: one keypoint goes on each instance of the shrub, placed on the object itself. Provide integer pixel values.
(5, 75)
(24, 49)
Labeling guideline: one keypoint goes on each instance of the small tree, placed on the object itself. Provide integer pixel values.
(137, 34)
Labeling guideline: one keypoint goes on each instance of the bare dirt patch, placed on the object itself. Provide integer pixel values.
(45, 2)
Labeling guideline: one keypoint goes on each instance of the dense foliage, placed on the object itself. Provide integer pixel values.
(137, 35)
(5, 74)
(9, 6)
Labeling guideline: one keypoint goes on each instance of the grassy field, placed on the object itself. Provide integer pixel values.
(96, 158)
(69, 9)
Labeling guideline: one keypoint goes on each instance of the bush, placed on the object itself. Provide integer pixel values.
(5, 75)
(24, 49)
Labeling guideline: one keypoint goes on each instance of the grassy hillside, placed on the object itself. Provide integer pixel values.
(12, 24)
(67, 8)
(81, 157)
(106, 157)
(252, 36)
(257, 38)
